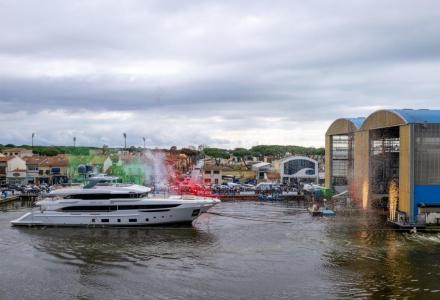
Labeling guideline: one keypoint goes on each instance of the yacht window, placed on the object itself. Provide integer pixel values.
(104, 220)
(132, 220)
(156, 207)
(119, 220)
(93, 220)
(146, 220)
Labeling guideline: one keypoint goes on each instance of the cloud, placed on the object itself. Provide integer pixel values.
(220, 73)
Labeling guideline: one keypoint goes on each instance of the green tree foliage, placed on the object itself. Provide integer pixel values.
(280, 151)
(191, 154)
(217, 154)
(242, 154)
(55, 150)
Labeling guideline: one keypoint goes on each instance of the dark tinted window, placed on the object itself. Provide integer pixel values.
(294, 166)
(117, 207)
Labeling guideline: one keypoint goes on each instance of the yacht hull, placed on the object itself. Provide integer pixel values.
(184, 213)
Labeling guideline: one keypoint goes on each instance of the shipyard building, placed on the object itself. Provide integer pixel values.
(392, 155)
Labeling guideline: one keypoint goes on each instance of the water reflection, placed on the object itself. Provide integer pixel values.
(375, 262)
(118, 246)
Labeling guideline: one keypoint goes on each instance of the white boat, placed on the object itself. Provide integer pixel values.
(104, 203)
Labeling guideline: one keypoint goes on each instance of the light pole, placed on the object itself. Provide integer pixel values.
(144, 141)
(33, 135)
(74, 142)
(125, 140)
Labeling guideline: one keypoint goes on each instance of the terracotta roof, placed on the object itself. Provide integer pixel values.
(59, 160)
(35, 160)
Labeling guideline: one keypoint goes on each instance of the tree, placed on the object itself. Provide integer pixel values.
(190, 153)
(242, 154)
(217, 154)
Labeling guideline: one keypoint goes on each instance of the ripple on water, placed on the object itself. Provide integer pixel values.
(243, 252)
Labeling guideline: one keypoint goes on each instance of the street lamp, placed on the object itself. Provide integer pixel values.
(74, 141)
(144, 141)
(33, 135)
(125, 140)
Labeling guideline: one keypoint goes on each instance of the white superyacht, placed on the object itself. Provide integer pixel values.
(102, 202)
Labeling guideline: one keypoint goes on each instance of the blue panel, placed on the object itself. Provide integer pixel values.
(419, 115)
(357, 121)
(428, 194)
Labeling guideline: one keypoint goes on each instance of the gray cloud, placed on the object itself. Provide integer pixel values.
(221, 73)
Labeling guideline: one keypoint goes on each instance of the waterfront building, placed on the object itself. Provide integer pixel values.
(58, 168)
(212, 174)
(241, 174)
(47, 169)
(391, 154)
(261, 170)
(295, 169)
(21, 152)
(33, 168)
(3, 165)
(339, 161)
(16, 171)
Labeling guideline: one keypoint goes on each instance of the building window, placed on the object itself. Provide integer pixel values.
(341, 158)
(216, 172)
(339, 168)
(293, 166)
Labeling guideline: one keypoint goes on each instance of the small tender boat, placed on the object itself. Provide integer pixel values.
(321, 211)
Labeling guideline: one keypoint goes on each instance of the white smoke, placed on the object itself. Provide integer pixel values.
(157, 171)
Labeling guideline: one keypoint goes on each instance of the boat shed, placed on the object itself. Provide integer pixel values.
(391, 154)
(339, 145)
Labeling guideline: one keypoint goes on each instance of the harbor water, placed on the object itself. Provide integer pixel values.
(244, 250)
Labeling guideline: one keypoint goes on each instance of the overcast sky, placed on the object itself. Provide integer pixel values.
(222, 73)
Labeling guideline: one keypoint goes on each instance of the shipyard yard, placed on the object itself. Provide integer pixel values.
(247, 250)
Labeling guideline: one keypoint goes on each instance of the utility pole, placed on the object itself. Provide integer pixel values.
(33, 135)
(125, 140)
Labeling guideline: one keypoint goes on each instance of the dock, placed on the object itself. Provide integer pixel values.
(16, 201)
(228, 198)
